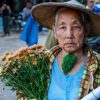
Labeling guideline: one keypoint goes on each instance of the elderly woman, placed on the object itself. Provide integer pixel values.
(76, 68)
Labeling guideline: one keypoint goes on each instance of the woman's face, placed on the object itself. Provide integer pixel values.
(69, 30)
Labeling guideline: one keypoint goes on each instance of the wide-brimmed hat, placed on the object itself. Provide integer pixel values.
(45, 13)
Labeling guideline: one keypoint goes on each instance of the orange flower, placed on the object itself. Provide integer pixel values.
(34, 62)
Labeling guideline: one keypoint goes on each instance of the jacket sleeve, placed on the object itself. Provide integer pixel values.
(97, 73)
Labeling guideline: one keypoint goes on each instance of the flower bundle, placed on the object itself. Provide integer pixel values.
(27, 71)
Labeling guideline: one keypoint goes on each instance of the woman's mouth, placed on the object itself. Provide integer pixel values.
(69, 44)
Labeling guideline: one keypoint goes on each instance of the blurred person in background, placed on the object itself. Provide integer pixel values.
(20, 19)
(94, 41)
(27, 10)
(96, 8)
(31, 28)
(90, 4)
(5, 12)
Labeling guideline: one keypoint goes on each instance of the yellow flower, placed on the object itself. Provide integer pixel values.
(6, 53)
(31, 55)
(14, 70)
(34, 62)
(0, 71)
(8, 63)
(19, 66)
(3, 58)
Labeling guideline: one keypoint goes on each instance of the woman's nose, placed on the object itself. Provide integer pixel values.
(69, 33)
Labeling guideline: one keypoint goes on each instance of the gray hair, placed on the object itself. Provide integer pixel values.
(85, 20)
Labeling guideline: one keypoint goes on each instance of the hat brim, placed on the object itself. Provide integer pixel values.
(45, 13)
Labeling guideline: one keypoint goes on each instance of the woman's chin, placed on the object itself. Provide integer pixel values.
(70, 49)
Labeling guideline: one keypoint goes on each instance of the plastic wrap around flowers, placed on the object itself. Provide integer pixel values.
(27, 71)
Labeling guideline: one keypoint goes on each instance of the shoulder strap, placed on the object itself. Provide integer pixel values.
(55, 50)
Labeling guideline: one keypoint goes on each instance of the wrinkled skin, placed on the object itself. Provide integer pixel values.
(69, 30)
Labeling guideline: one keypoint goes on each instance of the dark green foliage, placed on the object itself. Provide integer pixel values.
(68, 62)
(30, 79)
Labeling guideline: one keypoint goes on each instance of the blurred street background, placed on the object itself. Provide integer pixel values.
(12, 43)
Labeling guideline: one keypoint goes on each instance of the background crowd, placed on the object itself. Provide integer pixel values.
(18, 17)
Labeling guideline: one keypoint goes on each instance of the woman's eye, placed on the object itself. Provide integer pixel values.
(62, 27)
(76, 28)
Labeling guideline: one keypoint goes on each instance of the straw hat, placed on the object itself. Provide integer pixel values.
(45, 13)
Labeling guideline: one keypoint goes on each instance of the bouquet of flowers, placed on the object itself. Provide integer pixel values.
(27, 71)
